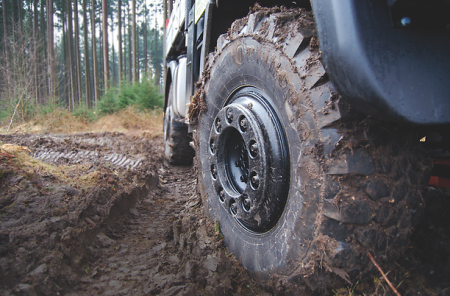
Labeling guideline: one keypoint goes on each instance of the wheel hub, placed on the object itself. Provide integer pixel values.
(250, 161)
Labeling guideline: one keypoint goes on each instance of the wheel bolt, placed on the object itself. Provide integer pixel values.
(218, 125)
(222, 195)
(243, 123)
(255, 180)
(254, 148)
(234, 208)
(214, 171)
(229, 114)
(247, 202)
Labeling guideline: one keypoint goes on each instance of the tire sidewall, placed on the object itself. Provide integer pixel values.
(246, 62)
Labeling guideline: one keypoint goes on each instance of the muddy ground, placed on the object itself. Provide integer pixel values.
(103, 214)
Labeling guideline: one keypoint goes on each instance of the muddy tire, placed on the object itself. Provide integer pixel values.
(177, 149)
(331, 184)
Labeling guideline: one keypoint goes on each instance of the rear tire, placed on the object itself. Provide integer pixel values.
(177, 148)
(333, 183)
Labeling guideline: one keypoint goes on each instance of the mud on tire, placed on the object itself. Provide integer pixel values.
(177, 148)
(352, 182)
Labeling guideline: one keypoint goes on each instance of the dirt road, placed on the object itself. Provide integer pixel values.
(103, 214)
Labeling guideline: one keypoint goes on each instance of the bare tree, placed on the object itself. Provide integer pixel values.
(105, 44)
(86, 57)
(50, 50)
(77, 50)
(119, 16)
(133, 12)
(94, 53)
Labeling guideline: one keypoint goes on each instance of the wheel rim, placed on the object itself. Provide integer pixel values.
(250, 160)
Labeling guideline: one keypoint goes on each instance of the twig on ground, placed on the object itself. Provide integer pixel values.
(383, 274)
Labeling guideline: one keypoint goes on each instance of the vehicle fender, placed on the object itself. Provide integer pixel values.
(169, 78)
(179, 105)
(392, 73)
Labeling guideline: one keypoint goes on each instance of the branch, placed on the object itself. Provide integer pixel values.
(15, 109)
(383, 274)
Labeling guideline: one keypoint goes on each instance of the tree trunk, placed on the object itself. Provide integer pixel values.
(5, 38)
(137, 58)
(130, 65)
(36, 50)
(133, 13)
(119, 16)
(157, 74)
(77, 52)
(50, 50)
(105, 45)
(66, 93)
(72, 66)
(145, 46)
(94, 54)
(87, 80)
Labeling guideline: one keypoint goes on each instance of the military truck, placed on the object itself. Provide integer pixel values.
(311, 123)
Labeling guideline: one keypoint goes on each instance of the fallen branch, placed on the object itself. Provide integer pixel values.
(384, 275)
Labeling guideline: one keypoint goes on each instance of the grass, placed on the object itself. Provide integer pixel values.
(128, 120)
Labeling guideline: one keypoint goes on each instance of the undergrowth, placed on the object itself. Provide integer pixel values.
(130, 107)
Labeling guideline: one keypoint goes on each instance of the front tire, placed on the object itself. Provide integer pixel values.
(331, 185)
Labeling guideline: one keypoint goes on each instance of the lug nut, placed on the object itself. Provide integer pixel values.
(247, 202)
(255, 181)
(234, 208)
(229, 114)
(254, 148)
(243, 122)
(218, 125)
(222, 195)
(214, 171)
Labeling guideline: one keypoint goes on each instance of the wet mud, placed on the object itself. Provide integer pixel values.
(124, 222)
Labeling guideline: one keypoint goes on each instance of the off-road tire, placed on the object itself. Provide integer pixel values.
(177, 148)
(353, 181)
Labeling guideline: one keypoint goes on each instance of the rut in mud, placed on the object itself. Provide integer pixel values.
(115, 220)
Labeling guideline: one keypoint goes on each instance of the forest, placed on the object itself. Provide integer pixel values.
(84, 56)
